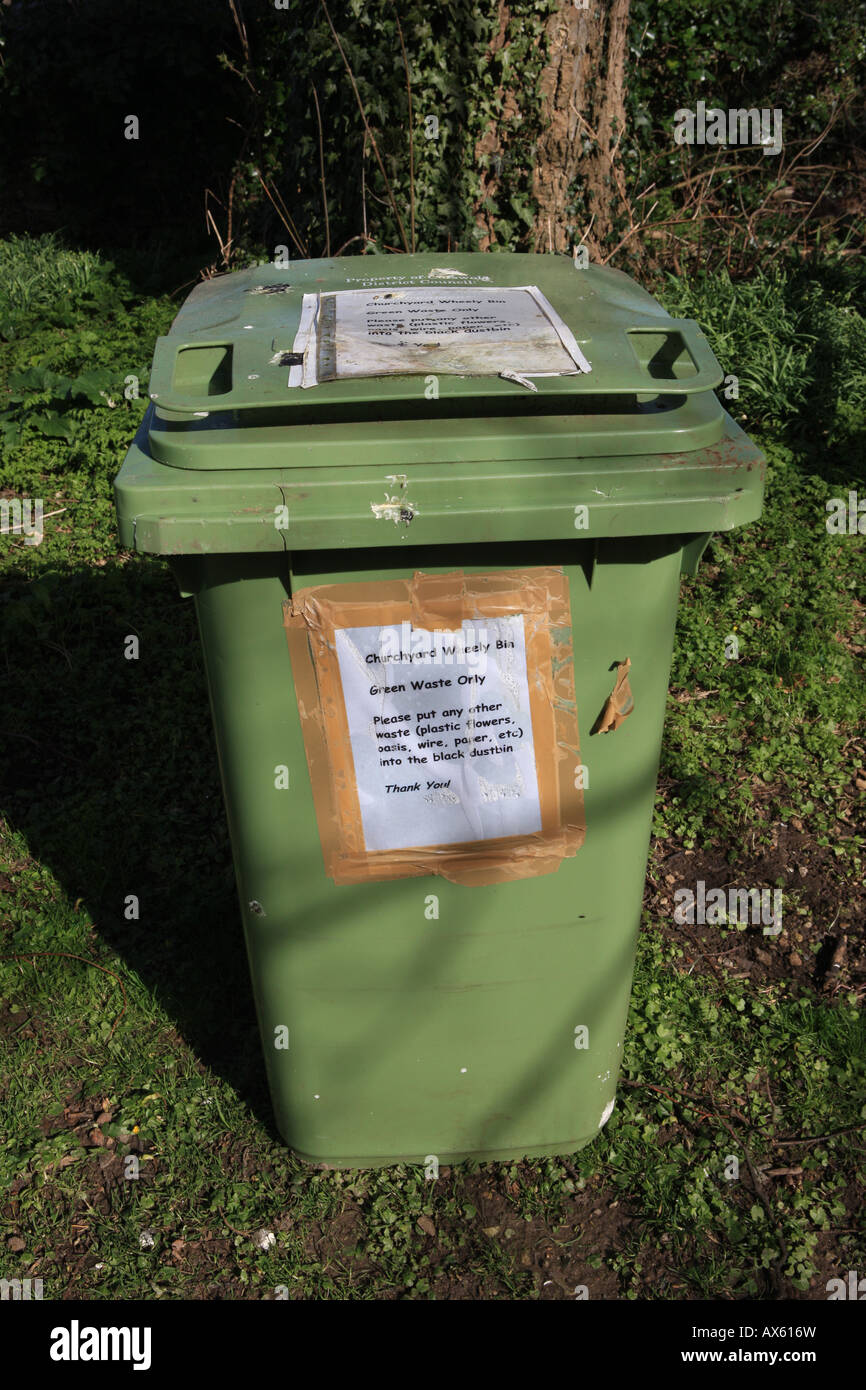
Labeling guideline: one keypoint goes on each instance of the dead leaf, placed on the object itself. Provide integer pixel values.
(620, 701)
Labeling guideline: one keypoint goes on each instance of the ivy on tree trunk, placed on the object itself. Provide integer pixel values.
(572, 185)
(578, 183)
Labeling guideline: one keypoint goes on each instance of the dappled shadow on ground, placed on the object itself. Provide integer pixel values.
(110, 772)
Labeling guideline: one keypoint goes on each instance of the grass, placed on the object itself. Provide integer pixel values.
(785, 711)
(794, 340)
(137, 1155)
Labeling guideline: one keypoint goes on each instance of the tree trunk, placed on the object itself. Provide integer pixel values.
(583, 117)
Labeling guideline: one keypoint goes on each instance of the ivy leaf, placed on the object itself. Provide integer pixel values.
(53, 426)
(32, 379)
(90, 385)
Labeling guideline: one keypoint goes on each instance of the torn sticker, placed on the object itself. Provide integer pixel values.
(281, 288)
(449, 329)
(302, 360)
(440, 724)
(619, 703)
(394, 509)
(521, 380)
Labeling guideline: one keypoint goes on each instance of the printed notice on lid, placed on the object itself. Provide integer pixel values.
(441, 732)
(457, 330)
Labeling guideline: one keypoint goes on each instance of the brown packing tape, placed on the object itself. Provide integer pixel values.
(620, 701)
(440, 602)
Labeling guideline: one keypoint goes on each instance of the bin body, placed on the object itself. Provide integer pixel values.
(417, 1017)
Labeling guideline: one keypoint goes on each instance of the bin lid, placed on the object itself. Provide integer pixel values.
(340, 340)
(472, 376)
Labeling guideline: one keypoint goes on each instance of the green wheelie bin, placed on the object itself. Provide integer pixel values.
(433, 511)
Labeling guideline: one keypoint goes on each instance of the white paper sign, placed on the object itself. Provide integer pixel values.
(456, 329)
(441, 732)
